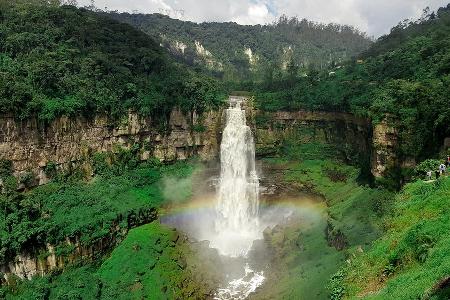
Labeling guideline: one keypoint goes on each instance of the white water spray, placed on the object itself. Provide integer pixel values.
(237, 199)
(237, 206)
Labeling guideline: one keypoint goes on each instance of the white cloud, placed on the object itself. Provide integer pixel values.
(255, 14)
(374, 17)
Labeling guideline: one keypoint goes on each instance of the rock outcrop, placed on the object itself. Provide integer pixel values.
(31, 145)
(385, 144)
(351, 134)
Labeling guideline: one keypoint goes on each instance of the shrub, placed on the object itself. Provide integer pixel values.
(5, 168)
(335, 285)
(50, 169)
(100, 164)
(198, 128)
(427, 165)
(336, 175)
(26, 179)
(9, 185)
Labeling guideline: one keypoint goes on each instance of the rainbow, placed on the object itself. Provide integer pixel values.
(204, 204)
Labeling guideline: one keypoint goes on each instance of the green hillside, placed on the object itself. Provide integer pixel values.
(57, 60)
(410, 261)
(289, 41)
(405, 75)
(150, 261)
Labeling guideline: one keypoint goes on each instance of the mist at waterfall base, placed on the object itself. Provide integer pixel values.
(231, 219)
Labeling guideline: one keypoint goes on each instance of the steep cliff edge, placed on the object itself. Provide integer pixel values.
(70, 143)
(351, 136)
(67, 142)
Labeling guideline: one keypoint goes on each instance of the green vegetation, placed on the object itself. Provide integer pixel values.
(303, 259)
(354, 210)
(410, 261)
(421, 169)
(326, 236)
(75, 282)
(150, 261)
(118, 197)
(59, 60)
(274, 47)
(404, 76)
(392, 246)
(364, 242)
(377, 245)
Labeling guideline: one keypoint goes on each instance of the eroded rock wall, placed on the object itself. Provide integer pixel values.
(385, 144)
(31, 146)
(67, 142)
(349, 133)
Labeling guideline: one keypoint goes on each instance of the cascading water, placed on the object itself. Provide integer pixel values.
(229, 218)
(237, 199)
(234, 222)
(237, 206)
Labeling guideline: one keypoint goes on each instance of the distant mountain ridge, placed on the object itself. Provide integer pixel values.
(238, 51)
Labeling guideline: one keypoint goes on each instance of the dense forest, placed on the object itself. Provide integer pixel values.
(60, 60)
(235, 52)
(404, 76)
(356, 239)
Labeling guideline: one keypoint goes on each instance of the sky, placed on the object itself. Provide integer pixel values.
(375, 17)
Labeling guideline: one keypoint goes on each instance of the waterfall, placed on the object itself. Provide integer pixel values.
(237, 196)
(234, 223)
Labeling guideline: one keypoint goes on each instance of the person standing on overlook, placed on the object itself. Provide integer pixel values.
(442, 169)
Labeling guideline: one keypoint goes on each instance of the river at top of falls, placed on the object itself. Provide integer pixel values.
(237, 197)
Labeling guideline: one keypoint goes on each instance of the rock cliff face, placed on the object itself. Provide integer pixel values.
(349, 133)
(67, 142)
(385, 143)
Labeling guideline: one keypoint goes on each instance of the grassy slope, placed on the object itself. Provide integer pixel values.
(89, 209)
(149, 264)
(412, 256)
(351, 210)
(50, 213)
